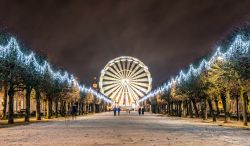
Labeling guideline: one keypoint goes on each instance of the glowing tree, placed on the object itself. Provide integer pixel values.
(20, 71)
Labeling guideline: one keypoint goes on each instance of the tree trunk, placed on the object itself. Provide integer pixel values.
(211, 109)
(38, 104)
(204, 108)
(85, 108)
(11, 101)
(195, 108)
(190, 109)
(79, 107)
(185, 108)
(172, 108)
(228, 100)
(27, 110)
(168, 111)
(94, 108)
(5, 100)
(217, 107)
(49, 108)
(180, 108)
(245, 97)
(176, 108)
(237, 108)
(62, 108)
(223, 98)
(82, 108)
(56, 106)
(68, 106)
(45, 107)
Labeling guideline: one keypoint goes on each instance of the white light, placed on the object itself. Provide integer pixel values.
(12, 48)
(220, 58)
(238, 46)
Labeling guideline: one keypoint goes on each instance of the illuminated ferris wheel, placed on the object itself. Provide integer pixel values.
(125, 80)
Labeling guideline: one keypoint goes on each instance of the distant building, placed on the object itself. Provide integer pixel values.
(20, 102)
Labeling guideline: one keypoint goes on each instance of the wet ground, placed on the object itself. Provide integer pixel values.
(105, 129)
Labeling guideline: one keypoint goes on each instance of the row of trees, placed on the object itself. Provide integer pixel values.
(227, 81)
(18, 73)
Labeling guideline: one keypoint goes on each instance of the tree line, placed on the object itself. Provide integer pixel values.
(22, 72)
(221, 89)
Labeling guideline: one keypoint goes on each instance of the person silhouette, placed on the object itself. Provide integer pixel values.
(73, 111)
(139, 111)
(119, 110)
(114, 109)
(142, 110)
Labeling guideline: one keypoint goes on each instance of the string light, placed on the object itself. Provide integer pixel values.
(238, 46)
(12, 48)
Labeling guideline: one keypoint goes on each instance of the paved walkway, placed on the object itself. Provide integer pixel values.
(105, 129)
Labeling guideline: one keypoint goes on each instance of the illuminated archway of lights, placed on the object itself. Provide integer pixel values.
(238, 46)
(12, 47)
(125, 80)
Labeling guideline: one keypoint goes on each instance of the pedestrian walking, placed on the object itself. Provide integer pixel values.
(114, 109)
(139, 111)
(119, 110)
(73, 111)
(142, 111)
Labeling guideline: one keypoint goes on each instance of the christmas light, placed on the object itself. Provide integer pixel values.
(12, 49)
(238, 46)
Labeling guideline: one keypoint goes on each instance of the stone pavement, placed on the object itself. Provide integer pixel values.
(105, 129)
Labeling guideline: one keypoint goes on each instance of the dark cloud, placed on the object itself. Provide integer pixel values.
(84, 35)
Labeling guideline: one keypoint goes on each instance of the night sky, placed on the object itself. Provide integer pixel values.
(82, 36)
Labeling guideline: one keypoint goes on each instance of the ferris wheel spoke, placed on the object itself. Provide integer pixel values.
(134, 70)
(137, 91)
(131, 68)
(114, 93)
(123, 68)
(111, 74)
(127, 68)
(140, 76)
(130, 96)
(119, 95)
(141, 80)
(135, 96)
(117, 70)
(122, 96)
(112, 90)
(110, 78)
(140, 88)
(108, 87)
(127, 100)
(110, 82)
(120, 68)
(140, 84)
(138, 72)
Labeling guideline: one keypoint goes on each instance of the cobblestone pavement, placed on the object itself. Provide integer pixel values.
(105, 129)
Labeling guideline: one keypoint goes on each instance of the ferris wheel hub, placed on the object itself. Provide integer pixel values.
(125, 81)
